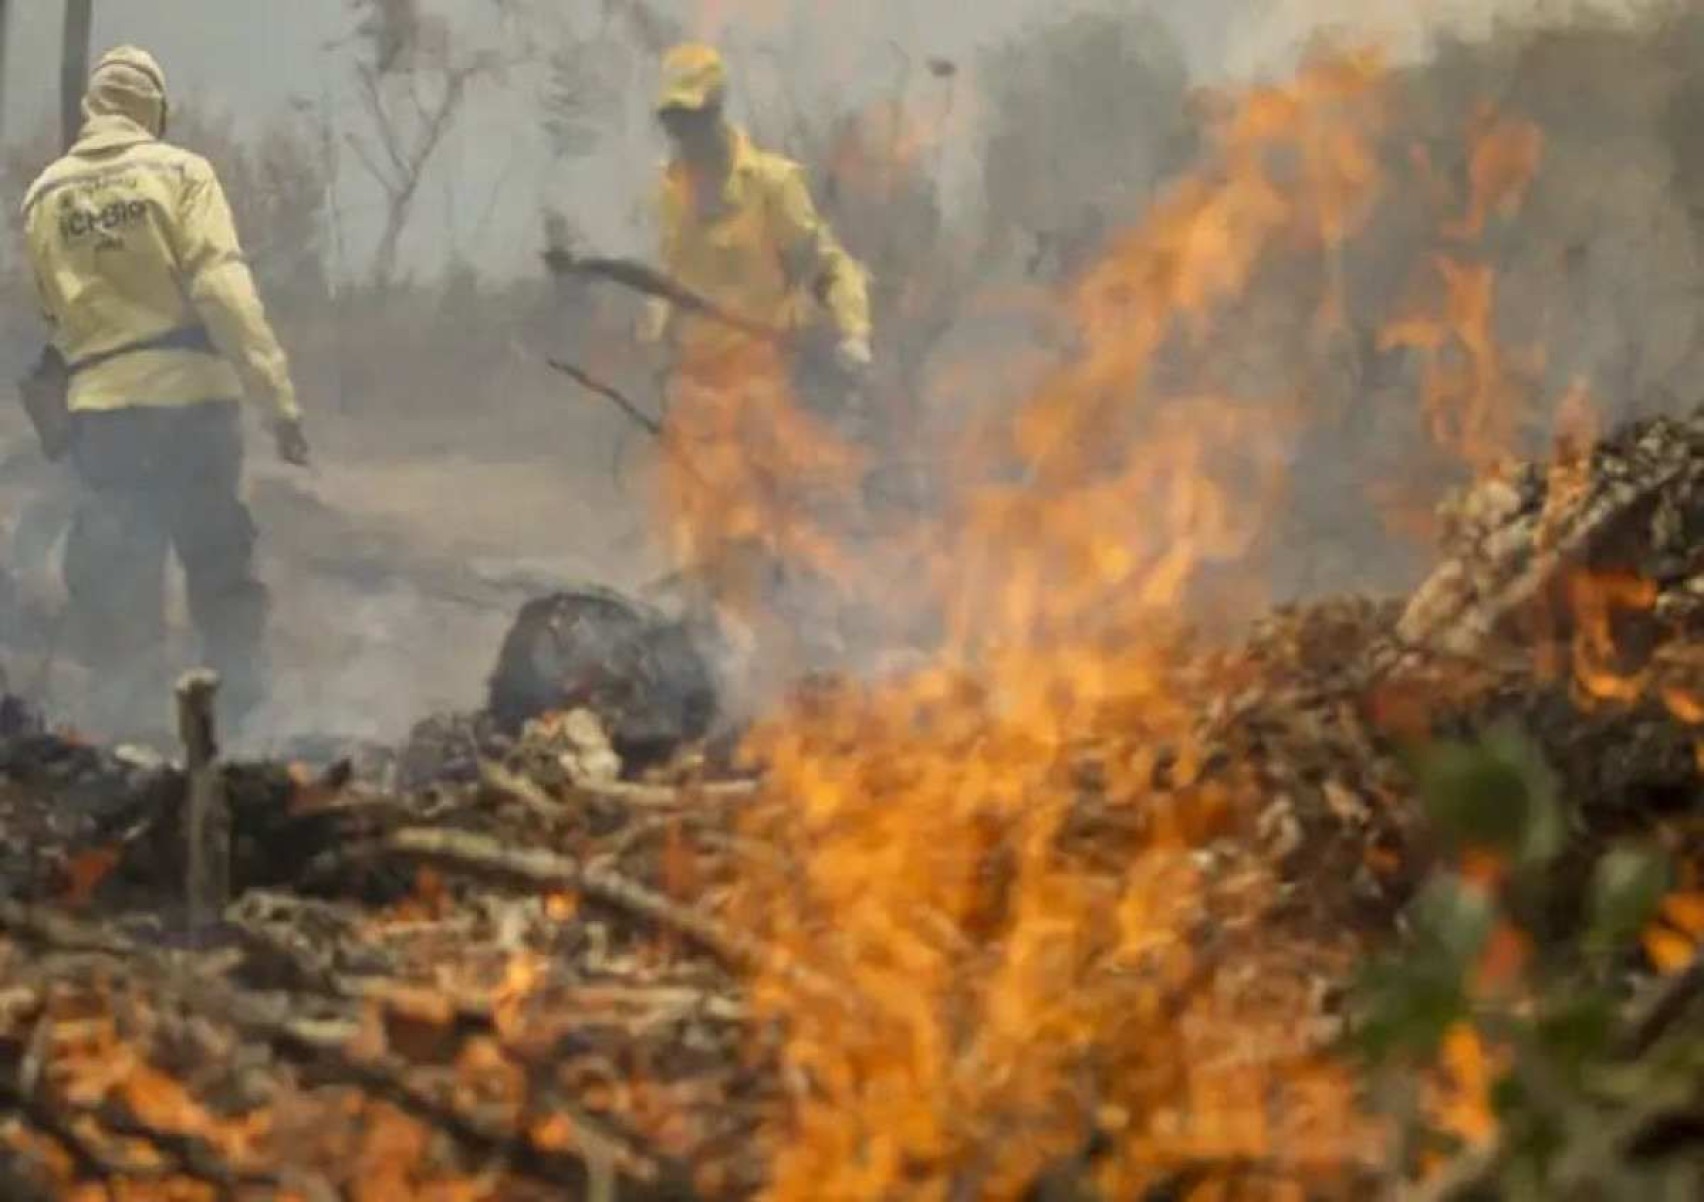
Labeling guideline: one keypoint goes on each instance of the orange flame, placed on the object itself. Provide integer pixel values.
(1503, 159)
(1595, 600)
(1005, 1000)
(1461, 1098)
(1476, 393)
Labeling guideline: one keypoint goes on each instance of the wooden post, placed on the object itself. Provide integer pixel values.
(5, 40)
(207, 820)
(74, 67)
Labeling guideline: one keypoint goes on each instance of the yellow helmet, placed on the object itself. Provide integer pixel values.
(694, 77)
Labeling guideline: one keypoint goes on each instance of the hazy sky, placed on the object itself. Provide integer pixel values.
(251, 57)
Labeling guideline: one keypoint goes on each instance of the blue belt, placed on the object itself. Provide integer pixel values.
(184, 338)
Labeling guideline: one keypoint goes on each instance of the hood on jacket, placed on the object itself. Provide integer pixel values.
(128, 83)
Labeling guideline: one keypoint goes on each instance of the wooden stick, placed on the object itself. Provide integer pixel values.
(648, 281)
(610, 393)
(1656, 1012)
(208, 816)
(690, 795)
(480, 856)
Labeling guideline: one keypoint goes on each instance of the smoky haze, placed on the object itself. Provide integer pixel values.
(254, 59)
(1011, 140)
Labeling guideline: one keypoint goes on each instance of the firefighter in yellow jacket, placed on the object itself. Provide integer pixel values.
(760, 488)
(155, 313)
(738, 227)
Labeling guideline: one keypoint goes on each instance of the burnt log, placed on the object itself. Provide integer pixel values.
(643, 674)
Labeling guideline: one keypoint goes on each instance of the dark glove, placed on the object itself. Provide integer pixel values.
(292, 441)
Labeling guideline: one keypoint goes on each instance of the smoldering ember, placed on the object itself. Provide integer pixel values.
(1173, 670)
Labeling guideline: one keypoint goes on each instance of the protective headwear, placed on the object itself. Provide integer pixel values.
(694, 77)
(138, 264)
(128, 83)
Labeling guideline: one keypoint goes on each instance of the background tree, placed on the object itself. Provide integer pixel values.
(278, 183)
(412, 83)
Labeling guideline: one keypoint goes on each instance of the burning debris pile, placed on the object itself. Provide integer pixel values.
(1569, 602)
(1069, 906)
(482, 989)
(531, 973)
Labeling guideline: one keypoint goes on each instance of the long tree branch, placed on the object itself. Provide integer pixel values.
(390, 137)
(364, 156)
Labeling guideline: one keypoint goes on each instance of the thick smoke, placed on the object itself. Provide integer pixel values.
(979, 158)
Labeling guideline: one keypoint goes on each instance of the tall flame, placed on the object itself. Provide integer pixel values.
(996, 857)
(1477, 393)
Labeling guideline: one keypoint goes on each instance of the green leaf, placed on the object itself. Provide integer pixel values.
(1627, 887)
(1508, 1096)
(1409, 1001)
(1577, 1030)
(1406, 1007)
(1496, 795)
(1454, 919)
(1472, 797)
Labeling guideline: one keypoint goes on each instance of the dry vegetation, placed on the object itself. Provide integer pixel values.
(1119, 884)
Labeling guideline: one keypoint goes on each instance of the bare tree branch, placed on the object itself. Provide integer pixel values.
(399, 151)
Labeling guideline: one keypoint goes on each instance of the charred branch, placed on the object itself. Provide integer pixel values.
(483, 858)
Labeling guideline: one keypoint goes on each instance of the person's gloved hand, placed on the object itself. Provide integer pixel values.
(292, 441)
(854, 357)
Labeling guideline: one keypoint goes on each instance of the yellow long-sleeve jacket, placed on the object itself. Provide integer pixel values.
(132, 240)
(762, 252)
